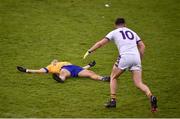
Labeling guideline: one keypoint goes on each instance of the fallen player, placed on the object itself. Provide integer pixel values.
(63, 70)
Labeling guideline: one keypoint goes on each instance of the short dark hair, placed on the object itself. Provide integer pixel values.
(120, 21)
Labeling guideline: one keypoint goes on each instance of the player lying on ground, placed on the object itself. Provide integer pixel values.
(63, 70)
(131, 50)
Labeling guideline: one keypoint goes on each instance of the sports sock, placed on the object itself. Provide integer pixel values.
(102, 78)
(149, 95)
(113, 97)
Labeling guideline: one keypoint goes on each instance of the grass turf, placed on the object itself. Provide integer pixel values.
(33, 32)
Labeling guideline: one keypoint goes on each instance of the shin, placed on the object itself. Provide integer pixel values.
(137, 77)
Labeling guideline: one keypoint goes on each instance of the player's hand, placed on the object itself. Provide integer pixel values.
(93, 63)
(21, 69)
(87, 53)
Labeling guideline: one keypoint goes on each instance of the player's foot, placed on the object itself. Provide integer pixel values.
(111, 104)
(93, 63)
(21, 69)
(57, 78)
(106, 78)
(153, 104)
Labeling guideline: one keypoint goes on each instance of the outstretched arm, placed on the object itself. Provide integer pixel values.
(91, 64)
(97, 45)
(42, 70)
(22, 69)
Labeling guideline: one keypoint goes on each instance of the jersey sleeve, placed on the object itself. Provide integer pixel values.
(48, 68)
(109, 36)
(138, 39)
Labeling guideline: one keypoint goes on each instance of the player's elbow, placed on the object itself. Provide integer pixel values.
(141, 45)
(142, 48)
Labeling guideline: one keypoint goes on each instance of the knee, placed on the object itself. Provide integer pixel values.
(93, 76)
(62, 72)
(113, 77)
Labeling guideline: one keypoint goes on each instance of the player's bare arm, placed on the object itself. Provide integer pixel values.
(141, 48)
(97, 45)
(22, 69)
(42, 70)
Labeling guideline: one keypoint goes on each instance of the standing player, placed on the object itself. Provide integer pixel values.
(131, 51)
(63, 70)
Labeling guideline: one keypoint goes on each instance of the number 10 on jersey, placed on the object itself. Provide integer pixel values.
(127, 34)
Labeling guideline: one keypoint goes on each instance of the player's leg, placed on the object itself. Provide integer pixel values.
(92, 75)
(137, 78)
(62, 76)
(116, 72)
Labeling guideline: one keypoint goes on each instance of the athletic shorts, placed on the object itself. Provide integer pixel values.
(131, 62)
(73, 69)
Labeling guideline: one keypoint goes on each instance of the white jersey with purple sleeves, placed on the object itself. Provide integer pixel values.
(125, 39)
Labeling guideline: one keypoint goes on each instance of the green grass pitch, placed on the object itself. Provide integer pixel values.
(33, 32)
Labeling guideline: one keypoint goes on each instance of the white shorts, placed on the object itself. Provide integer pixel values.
(131, 62)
